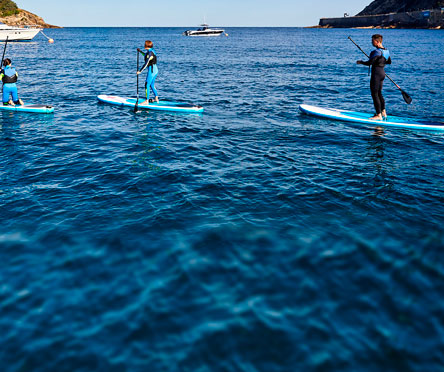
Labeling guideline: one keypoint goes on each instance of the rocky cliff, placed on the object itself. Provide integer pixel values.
(25, 18)
(11, 15)
(397, 6)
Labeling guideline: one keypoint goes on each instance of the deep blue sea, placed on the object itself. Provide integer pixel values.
(248, 238)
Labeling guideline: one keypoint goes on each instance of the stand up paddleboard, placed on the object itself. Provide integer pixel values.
(36, 109)
(161, 106)
(359, 117)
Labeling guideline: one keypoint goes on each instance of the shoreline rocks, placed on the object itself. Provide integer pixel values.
(25, 18)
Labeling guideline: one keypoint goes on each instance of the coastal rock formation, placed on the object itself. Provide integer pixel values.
(11, 15)
(25, 18)
(393, 14)
(396, 6)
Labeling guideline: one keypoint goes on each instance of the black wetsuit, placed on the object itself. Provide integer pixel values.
(378, 59)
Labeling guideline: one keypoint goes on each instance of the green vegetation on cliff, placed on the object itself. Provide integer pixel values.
(399, 6)
(7, 8)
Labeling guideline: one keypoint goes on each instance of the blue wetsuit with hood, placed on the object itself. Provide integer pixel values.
(151, 64)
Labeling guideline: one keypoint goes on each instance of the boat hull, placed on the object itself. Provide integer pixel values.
(18, 34)
(204, 33)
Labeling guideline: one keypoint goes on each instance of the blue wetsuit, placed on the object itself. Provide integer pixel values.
(378, 59)
(9, 77)
(151, 63)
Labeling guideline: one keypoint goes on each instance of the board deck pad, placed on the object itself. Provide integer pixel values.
(37, 109)
(363, 118)
(161, 106)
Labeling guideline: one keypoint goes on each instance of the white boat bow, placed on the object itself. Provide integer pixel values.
(17, 33)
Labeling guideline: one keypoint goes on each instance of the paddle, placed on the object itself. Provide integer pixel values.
(136, 107)
(4, 51)
(406, 97)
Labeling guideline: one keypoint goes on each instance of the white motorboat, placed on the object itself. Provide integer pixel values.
(205, 30)
(13, 33)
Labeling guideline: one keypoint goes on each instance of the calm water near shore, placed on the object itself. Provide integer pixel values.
(249, 238)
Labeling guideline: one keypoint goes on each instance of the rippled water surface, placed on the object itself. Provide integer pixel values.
(249, 238)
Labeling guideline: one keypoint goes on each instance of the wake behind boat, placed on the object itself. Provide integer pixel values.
(363, 118)
(12, 33)
(204, 31)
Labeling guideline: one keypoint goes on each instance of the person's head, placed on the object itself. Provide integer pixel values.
(6, 62)
(148, 44)
(377, 40)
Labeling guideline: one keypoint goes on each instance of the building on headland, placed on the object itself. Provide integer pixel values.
(433, 18)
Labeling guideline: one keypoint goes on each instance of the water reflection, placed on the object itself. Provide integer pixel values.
(376, 155)
(144, 162)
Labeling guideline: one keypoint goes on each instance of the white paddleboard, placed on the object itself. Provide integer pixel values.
(161, 106)
(363, 118)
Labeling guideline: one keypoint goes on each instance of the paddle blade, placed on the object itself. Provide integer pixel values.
(136, 107)
(406, 97)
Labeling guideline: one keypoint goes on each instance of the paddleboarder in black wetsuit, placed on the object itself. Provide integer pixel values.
(378, 59)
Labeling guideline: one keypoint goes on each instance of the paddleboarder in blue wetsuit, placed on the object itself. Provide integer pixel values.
(9, 76)
(151, 64)
(378, 59)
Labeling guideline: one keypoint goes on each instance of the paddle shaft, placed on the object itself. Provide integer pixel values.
(137, 100)
(4, 51)
(397, 86)
(358, 47)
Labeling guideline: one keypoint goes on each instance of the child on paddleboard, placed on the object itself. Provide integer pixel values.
(378, 59)
(151, 64)
(9, 76)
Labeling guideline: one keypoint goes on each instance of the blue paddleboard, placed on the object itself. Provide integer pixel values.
(161, 106)
(359, 117)
(37, 109)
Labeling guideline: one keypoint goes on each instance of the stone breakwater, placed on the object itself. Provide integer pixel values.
(419, 19)
(25, 18)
